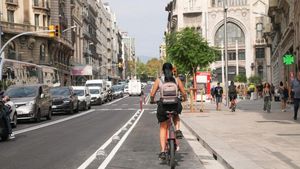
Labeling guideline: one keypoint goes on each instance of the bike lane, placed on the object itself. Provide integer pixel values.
(141, 148)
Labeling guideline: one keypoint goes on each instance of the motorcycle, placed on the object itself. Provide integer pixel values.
(3, 124)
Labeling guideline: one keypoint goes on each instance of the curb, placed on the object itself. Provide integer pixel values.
(216, 156)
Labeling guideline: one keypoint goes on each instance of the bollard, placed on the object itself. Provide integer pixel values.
(201, 104)
(141, 103)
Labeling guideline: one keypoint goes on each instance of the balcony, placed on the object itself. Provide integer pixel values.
(192, 10)
(12, 2)
(10, 27)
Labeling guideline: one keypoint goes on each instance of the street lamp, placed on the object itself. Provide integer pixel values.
(225, 50)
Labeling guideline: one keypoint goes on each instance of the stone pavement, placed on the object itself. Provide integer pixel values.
(249, 137)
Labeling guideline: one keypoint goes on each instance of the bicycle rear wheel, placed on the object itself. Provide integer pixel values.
(172, 153)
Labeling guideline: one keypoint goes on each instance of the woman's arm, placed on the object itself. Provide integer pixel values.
(181, 88)
(154, 90)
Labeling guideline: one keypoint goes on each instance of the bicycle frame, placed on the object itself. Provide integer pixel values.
(171, 140)
(171, 126)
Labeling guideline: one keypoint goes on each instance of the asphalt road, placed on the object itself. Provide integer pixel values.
(72, 143)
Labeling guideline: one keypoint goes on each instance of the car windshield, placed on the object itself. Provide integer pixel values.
(94, 91)
(25, 91)
(60, 91)
(94, 84)
(79, 92)
(115, 88)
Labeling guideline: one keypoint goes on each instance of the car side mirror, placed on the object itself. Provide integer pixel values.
(74, 94)
(42, 96)
(102, 92)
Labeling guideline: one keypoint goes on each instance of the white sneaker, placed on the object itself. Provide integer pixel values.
(283, 110)
(11, 136)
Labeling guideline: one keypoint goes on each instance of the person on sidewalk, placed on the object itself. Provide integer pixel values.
(218, 95)
(232, 94)
(162, 108)
(267, 95)
(212, 93)
(295, 89)
(284, 95)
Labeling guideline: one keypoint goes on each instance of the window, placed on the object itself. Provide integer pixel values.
(10, 16)
(35, 2)
(213, 3)
(42, 52)
(44, 21)
(241, 54)
(234, 34)
(36, 19)
(260, 52)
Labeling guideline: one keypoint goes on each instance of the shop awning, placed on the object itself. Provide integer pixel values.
(85, 70)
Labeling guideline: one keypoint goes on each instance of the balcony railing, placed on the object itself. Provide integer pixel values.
(19, 28)
(12, 2)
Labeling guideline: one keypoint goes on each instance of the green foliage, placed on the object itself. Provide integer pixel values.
(240, 78)
(254, 79)
(154, 67)
(187, 50)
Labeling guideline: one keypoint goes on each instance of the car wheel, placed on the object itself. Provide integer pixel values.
(71, 111)
(14, 120)
(38, 116)
(85, 106)
(49, 116)
(77, 108)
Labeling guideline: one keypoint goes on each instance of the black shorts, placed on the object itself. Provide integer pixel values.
(162, 108)
(232, 97)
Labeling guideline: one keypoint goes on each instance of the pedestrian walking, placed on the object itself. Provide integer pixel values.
(218, 95)
(212, 93)
(284, 95)
(295, 91)
(267, 95)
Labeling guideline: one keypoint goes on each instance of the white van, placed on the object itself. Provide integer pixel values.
(84, 97)
(97, 96)
(96, 82)
(134, 87)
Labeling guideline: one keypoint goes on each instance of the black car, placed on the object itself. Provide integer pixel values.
(64, 99)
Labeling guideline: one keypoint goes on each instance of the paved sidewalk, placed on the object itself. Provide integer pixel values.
(249, 137)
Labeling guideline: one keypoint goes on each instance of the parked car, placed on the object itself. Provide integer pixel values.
(64, 99)
(117, 91)
(96, 96)
(32, 101)
(84, 97)
(126, 89)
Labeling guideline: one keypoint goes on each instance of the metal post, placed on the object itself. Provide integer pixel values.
(226, 49)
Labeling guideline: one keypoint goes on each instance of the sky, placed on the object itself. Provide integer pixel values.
(144, 20)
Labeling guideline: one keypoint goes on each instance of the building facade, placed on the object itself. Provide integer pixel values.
(29, 16)
(282, 38)
(247, 49)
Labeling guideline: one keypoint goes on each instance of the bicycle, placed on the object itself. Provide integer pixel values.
(171, 140)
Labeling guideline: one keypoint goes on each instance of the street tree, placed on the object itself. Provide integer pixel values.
(154, 67)
(187, 49)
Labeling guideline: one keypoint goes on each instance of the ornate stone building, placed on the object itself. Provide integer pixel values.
(247, 49)
(283, 38)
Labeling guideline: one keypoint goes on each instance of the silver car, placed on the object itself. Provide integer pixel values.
(32, 101)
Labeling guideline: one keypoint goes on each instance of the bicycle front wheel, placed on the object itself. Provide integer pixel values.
(172, 153)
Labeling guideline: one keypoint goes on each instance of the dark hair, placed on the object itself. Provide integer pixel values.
(267, 84)
(232, 83)
(167, 70)
(281, 83)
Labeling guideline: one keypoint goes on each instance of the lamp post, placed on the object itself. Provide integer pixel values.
(225, 50)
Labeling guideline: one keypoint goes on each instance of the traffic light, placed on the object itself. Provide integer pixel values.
(57, 31)
(51, 28)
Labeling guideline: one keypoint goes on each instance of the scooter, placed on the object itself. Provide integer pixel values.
(3, 125)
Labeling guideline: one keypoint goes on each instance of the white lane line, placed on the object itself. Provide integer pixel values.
(148, 99)
(52, 123)
(116, 100)
(93, 156)
(120, 109)
(117, 147)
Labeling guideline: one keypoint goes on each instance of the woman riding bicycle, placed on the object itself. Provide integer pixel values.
(162, 108)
